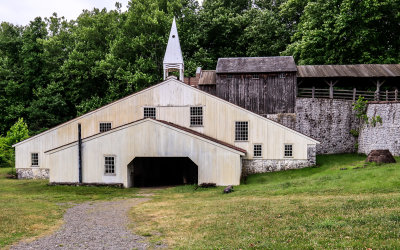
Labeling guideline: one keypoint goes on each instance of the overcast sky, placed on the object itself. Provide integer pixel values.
(22, 11)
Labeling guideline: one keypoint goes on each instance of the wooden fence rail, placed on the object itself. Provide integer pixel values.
(349, 94)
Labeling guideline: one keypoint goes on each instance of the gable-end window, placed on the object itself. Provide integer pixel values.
(149, 112)
(241, 131)
(255, 76)
(196, 116)
(282, 75)
(257, 150)
(109, 165)
(288, 150)
(105, 126)
(35, 160)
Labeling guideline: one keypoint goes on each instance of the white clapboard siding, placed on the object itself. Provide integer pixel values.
(172, 99)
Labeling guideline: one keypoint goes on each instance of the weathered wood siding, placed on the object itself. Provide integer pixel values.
(146, 138)
(172, 100)
(269, 94)
(210, 88)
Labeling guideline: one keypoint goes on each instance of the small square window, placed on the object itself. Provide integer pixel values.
(282, 75)
(255, 76)
(241, 131)
(105, 126)
(288, 150)
(257, 150)
(109, 165)
(229, 76)
(196, 116)
(35, 160)
(149, 112)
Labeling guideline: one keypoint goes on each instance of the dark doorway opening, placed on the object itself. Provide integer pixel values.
(162, 171)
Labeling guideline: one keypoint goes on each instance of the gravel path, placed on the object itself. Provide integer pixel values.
(93, 225)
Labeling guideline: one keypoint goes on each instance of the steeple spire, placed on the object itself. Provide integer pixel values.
(173, 59)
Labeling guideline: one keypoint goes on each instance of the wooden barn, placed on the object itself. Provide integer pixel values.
(170, 133)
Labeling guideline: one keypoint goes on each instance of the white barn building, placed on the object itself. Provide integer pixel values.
(170, 133)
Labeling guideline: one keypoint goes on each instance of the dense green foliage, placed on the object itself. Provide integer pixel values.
(18, 132)
(54, 69)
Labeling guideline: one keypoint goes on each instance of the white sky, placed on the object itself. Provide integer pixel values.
(21, 12)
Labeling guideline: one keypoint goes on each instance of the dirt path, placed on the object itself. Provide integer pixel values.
(94, 225)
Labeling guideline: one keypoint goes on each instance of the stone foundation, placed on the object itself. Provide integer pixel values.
(33, 173)
(255, 166)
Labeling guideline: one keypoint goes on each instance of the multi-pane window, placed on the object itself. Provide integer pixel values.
(109, 165)
(288, 150)
(257, 150)
(105, 126)
(196, 116)
(282, 75)
(255, 76)
(35, 159)
(149, 112)
(229, 76)
(241, 131)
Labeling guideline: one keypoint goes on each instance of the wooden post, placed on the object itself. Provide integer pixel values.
(80, 152)
(331, 84)
(387, 95)
(396, 93)
(354, 94)
(313, 93)
(378, 87)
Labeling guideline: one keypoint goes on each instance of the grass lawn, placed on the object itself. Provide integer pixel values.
(322, 207)
(29, 208)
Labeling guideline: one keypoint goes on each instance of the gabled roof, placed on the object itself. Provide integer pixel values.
(170, 124)
(256, 64)
(173, 53)
(155, 86)
(357, 70)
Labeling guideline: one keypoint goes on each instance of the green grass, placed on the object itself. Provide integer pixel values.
(29, 208)
(321, 207)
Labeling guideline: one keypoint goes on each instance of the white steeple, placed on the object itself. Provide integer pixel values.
(173, 59)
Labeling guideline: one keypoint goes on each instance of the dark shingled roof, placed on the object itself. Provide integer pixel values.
(207, 77)
(358, 70)
(256, 64)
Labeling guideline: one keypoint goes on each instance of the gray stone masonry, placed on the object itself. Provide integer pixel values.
(33, 173)
(255, 166)
(328, 121)
(385, 135)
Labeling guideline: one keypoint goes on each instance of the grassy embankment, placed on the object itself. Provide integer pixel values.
(322, 207)
(29, 208)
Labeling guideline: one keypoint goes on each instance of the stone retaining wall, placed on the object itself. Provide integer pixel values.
(327, 120)
(33, 173)
(385, 135)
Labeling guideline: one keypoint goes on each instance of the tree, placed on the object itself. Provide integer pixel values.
(347, 32)
(18, 132)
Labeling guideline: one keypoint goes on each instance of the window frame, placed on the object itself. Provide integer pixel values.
(32, 165)
(196, 116)
(149, 107)
(282, 75)
(255, 76)
(111, 126)
(254, 150)
(287, 150)
(105, 165)
(229, 76)
(237, 139)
